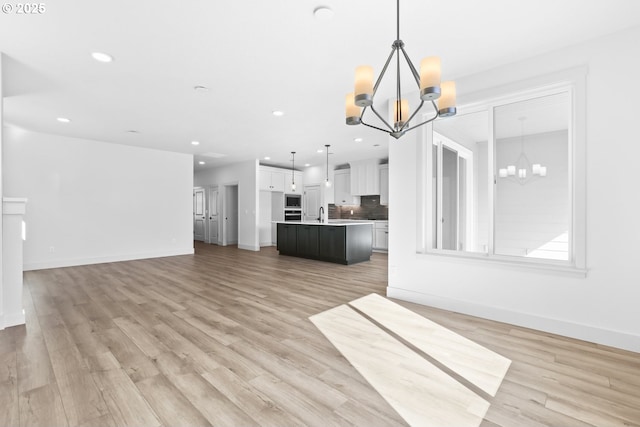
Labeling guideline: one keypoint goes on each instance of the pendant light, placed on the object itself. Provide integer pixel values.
(293, 165)
(327, 182)
(427, 81)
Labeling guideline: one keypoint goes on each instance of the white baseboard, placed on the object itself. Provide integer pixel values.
(618, 339)
(249, 247)
(7, 321)
(103, 259)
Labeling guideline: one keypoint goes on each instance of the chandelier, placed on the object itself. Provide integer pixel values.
(427, 80)
(519, 171)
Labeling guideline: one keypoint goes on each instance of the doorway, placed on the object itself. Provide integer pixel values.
(230, 208)
(199, 215)
(214, 217)
(311, 203)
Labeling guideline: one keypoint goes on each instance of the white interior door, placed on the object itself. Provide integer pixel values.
(311, 203)
(199, 215)
(231, 215)
(214, 219)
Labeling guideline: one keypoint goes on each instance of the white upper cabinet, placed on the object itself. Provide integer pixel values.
(342, 189)
(279, 180)
(384, 185)
(272, 179)
(365, 177)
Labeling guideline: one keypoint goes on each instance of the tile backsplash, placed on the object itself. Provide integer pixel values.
(370, 208)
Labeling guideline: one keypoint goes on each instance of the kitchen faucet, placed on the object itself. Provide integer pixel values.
(321, 214)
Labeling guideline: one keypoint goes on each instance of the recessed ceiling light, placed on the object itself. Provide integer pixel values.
(306, 165)
(320, 150)
(357, 139)
(102, 57)
(267, 158)
(323, 13)
(201, 162)
(63, 120)
(278, 113)
(195, 142)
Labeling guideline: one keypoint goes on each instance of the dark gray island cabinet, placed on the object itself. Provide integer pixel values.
(343, 243)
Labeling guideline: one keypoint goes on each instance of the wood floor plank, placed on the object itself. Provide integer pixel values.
(140, 337)
(249, 399)
(215, 407)
(81, 399)
(34, 364)
(9, 403)
(169, 404)
(42, 406)
(128, 355)
(126, 405)
(309, 410)
(292, 375)
(223, 337)
(185, 349)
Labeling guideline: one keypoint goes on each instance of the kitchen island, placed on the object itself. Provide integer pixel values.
(342, 242)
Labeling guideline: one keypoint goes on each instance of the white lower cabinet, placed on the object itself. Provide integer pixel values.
(381, 235)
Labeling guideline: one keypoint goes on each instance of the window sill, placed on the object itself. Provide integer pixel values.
(548, 266)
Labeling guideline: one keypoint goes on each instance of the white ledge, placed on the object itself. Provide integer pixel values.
(14, 206)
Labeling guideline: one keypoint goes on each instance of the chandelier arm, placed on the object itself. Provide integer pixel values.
(398, 88)
(424, 123)
(375, 127)
(412, 116)
(384, 70)
(371, 126)
(383, 120)
(415, 73)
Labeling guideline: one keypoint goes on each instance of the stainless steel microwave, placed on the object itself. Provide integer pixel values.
(293, 201)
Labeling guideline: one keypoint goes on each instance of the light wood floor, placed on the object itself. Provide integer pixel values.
(223, 338)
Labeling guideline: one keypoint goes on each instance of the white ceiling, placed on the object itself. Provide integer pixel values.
(257, 56)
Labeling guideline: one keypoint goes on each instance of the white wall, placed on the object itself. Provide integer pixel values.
(1, 175)
(245, 175)
(92, 202)
(265, 212)
(603, 307)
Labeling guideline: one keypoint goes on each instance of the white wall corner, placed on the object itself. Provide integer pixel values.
(13, 233)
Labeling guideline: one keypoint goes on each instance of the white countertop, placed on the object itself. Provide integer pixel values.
(333, 222)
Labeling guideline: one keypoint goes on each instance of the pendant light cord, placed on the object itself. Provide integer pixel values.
(398, 20)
